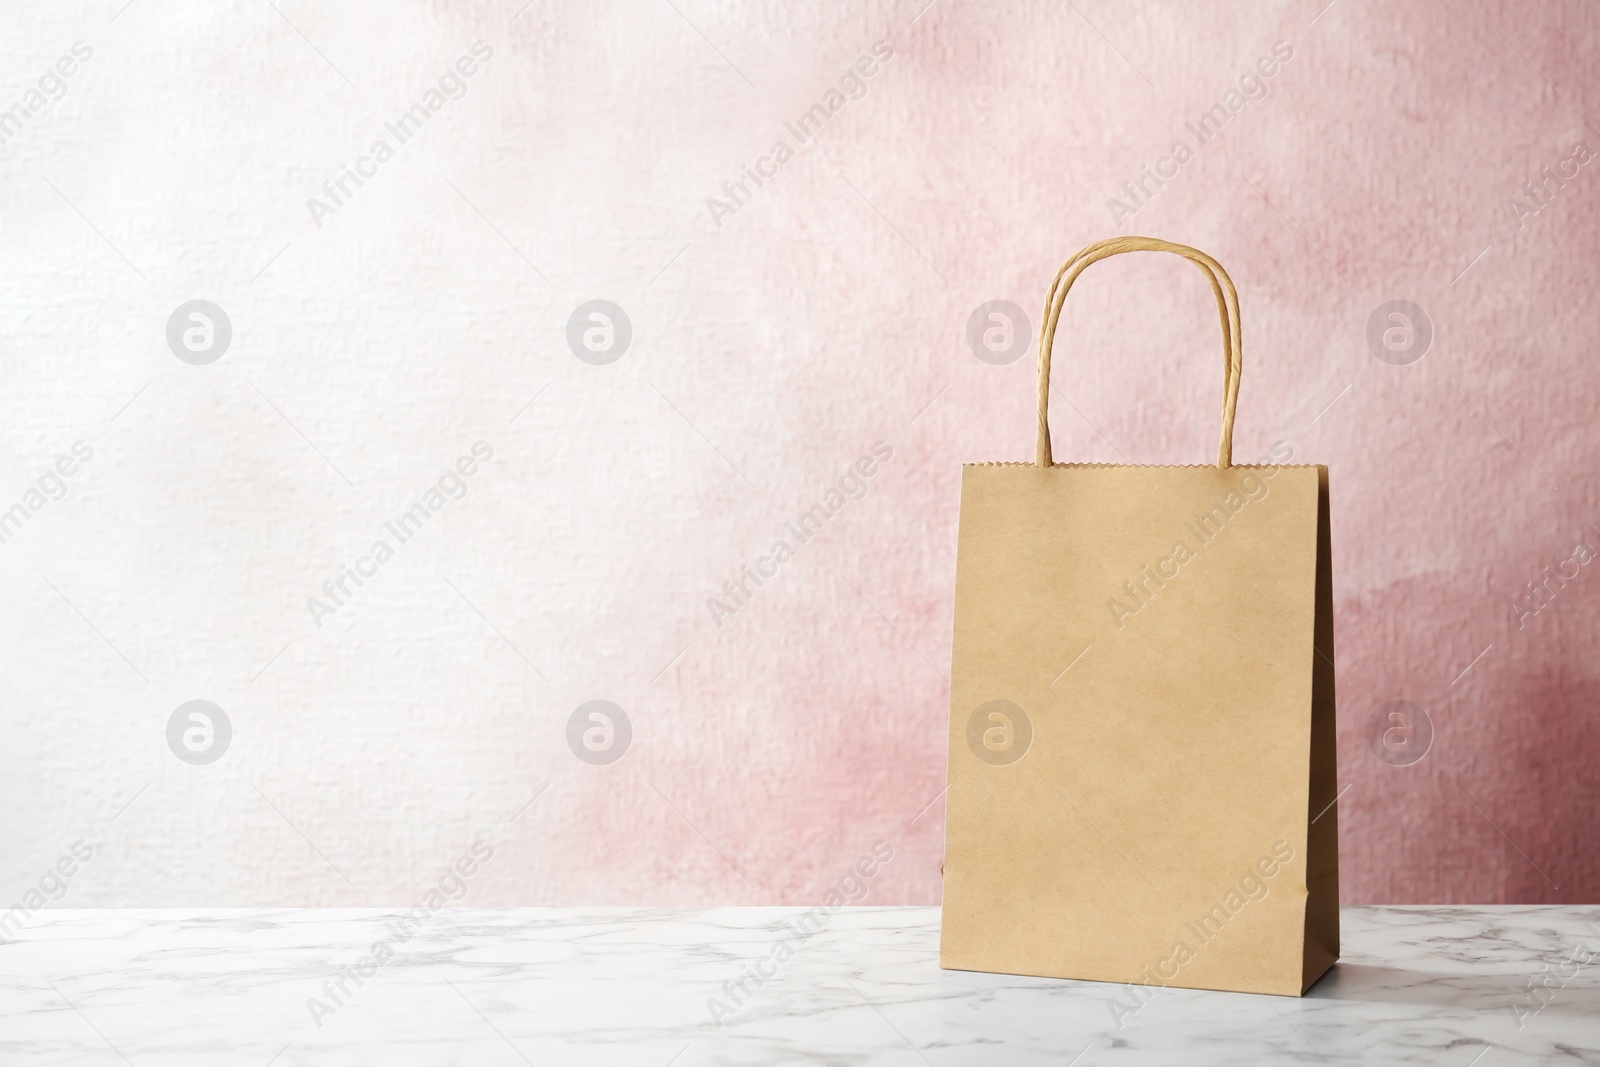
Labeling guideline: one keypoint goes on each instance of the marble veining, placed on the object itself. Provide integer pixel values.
(1464, 986)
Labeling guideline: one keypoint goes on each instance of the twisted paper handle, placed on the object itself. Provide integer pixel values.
(1227, 310)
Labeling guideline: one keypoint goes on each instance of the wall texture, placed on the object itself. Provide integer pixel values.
(382, 331)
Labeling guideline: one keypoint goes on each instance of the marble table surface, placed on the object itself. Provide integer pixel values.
(1470, 987)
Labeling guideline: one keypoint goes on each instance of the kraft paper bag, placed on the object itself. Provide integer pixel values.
(1142, 767)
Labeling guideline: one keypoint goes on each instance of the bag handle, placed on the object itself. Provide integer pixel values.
(1227, 310)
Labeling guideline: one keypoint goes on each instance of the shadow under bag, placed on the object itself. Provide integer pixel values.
(1142, 765)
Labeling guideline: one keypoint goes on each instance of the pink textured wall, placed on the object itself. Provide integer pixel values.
(776, 338)
(1382, 163)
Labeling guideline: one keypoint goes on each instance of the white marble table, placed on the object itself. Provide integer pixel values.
(1429, 985)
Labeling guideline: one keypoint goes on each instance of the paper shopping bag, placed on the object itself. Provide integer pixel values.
(1141, 765)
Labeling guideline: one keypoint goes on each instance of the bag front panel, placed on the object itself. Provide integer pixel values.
(1131, 698)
